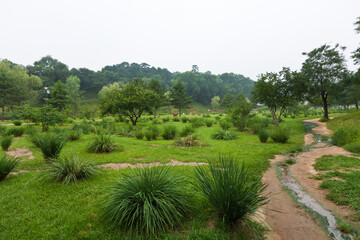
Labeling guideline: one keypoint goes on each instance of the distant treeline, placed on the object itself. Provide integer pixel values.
(201, 86)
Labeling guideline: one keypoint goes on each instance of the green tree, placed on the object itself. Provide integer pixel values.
(178, 97)
(324, 67)
(160, 99)
(59, 96)
(227, 101)
(73, 91)
(356, 53)
(239, 111)
(215, 102)
(130, 101)
(16, 86)
(278, 91)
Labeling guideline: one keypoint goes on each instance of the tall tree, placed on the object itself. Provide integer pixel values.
(73, 91)
(324, 67)
(215, 102)
(178, 97)
(160, 99)
(356, 53)
(278, 91)
(16, 86)
(240, 111)
(227, 101)
(59, 96)
(131, 101)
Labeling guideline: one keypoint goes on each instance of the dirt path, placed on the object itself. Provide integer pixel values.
(173, 162)
(21, 152)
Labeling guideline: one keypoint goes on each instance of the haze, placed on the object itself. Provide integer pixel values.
(247, 37)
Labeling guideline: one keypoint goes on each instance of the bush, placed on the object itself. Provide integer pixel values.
(34, 138)
(139, 134)
(7, 164)
(345, 135)
(124, 131)
(257, 123)
(17, 122)
(189, 141)
(224, 135)
(73, 135)
(51, 145)
(16, 131)
(231, 188)
(281, 134)
(69, 170)
(155, 131)
(6, 142)
(149, 135)
(169, 132)
(353, 147)
(147, 201)
(176, 119)
(166, 119)
(84, 127)
(103, 144)
(156, 121)
(225, 125)
(263, 136)
(197, 122)
(209, 122)
(3, 130)
(184, 119)
(187, 130)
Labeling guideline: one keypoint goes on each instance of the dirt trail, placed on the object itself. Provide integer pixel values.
(21, 152)
(288, 220)
(173, 162)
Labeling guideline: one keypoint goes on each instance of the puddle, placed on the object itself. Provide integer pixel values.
(303, 197)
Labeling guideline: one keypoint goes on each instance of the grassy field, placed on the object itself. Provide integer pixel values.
(31, 208)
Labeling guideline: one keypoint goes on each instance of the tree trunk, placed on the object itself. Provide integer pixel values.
(179, 112)
(325, 105)
(133, 121)
(3, 113)
(357, 106)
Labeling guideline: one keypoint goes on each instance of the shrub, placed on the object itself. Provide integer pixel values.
(147, 201)
(176, 119)
(3, 130)
(324, 119)
(225, 125)
(125, 131)
(139, 134)
(197, 122)
(209, 122)
(189, 141)
(102, 144)
(149, 135)
(345, 135)
(169, 132)
(17, 122)
(155, 131)
(166, 119)
(187, 130)
(85, 127)
(257, 123)
(16, 131)
(353, 147)
(73, 135)
(281, 134)
(217, 118)
(6, 142)
(231, 188)
(7, 164)
(51, 145)
(34, 138)
(69, 169)
(263, 136)
(224, 135)
(184, 119)
(156, 121)
(290, 161)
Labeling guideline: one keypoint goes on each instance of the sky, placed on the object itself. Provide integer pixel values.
(247, 37)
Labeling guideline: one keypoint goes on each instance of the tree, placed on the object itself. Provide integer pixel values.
(356, 53)
(278, 91)
(59, 96)
(16, 86)
(353, 89)
(178, 97)
(324, 67)
(195, 68)
(160, 99)
(227, 101)
(215, 102)
(73, 91)
(239, 111)
(131, 101)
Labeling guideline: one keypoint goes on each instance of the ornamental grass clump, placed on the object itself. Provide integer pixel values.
(16, 131)
(6, 142)
(353, 147)
(189, 141)
(155, 131)
(69, 170)
(51, 144)
(149, 135)
(169, 132)
(346, 135)
(281, 134)
(231, 189)
(224, 124)
(17, 122)
(147, 201)
(197, 122)
(7, 164)
(187, 130)
(139, 134)
(209, 122)
(103, 144)
(73, 135)
(224, 135)
(263, 136)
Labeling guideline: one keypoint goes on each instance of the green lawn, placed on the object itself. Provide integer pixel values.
(31, 208)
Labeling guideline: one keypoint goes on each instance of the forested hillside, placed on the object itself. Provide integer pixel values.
(201, 86)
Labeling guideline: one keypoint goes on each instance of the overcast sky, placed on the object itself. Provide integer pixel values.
(249, 37)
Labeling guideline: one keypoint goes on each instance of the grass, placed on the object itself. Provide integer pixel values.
(225, 135)
(7, 164)
(6, 142)
(103, 144)
(51, 206)
(51, 145)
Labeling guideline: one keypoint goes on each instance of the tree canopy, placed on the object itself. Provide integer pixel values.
(178, 97)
